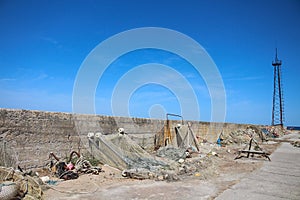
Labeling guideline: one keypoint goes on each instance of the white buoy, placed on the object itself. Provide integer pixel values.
(121, 130)
(98, 134)
(90, 135)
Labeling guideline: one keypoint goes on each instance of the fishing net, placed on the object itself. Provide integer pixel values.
(14, 184)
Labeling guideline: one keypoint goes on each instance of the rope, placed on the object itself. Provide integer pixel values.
(12, 171)
(24, 184)
(7, 184)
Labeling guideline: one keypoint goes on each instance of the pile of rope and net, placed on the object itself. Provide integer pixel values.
(71, 170)
(84, 166)
(15, 185)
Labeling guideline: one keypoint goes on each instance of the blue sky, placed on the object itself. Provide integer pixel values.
(43, 44)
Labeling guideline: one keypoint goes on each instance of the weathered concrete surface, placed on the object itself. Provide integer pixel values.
(146, 190)
(193, 190)
(278, 179)
(223, 173)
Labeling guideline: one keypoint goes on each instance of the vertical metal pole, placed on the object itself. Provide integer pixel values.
(4, 153)
(280, 96)
(249, 147)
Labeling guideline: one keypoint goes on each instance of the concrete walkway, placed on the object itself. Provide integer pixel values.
(278, 179)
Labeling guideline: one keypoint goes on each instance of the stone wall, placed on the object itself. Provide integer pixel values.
(27, 137)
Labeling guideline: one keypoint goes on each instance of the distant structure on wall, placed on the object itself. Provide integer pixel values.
(293, 128)
(278, 101)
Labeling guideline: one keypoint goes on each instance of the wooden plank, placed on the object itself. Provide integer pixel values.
(251, 151)
(194, 137)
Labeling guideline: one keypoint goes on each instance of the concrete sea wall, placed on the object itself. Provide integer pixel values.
(27, 137)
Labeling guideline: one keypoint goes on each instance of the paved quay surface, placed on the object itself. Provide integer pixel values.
(278, 179)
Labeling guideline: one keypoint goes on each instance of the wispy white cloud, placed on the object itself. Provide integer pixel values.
(31, 74)
(171, 60)
(245, 78)
(41, 76)
(196, 49)
(7, 79)
(52, 41)
(150, 95)
(35, 100)
(49, 39)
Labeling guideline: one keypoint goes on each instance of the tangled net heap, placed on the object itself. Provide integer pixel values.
(14, 184)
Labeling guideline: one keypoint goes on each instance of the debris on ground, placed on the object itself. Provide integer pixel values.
(241, 136)
(71, 170)
(119, 153)
(28, 185)
(274, 131)
(171, 153)
(171, 161)
(296, 143)
(165, 164)
(253, 150)
(17, 185)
